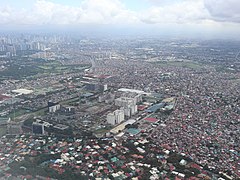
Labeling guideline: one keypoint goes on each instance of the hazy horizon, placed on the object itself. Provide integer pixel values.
(208, 19)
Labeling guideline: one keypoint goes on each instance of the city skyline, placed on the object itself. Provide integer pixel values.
(209, 18)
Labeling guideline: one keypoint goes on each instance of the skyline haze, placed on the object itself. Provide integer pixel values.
(178, 18)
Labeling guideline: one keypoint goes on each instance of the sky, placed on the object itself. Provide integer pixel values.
(212, 17)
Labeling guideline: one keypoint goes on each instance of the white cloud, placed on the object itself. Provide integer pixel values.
(178, 12)
(224, 10)
(161, 2)
(193, 11)
(5, 14)
(115, 12)
(45, 12)
(90, 11)
(106, 11)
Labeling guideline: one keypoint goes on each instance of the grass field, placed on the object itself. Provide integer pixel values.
(17, 113)
(102, 130)
(56, 67)
(40, 112)
(3, 130)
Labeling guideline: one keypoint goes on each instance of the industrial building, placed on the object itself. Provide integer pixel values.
(22, 91)
(122, 126)
(61, 127)
(131, 91)
(155, 107)
(95, 86)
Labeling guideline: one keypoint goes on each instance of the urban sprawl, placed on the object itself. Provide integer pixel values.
(118, 108)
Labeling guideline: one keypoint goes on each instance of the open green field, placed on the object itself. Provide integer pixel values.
(56, 67)
(17, 113)
(36, 68)
(40, 112)
(102, 130)
(3, 130)
(57, 64)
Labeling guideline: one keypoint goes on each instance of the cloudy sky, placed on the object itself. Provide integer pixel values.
(212, 16)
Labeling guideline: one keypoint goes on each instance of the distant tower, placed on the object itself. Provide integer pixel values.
(110, 55)
(92, 70)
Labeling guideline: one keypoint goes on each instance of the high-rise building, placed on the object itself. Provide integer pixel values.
(111, 118)
(38, 128)
(128, 103)
(116, 117)
(119, 115)
(53, 107)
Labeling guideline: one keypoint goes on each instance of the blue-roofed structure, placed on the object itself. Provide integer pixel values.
(155, 107)
(133, 131)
